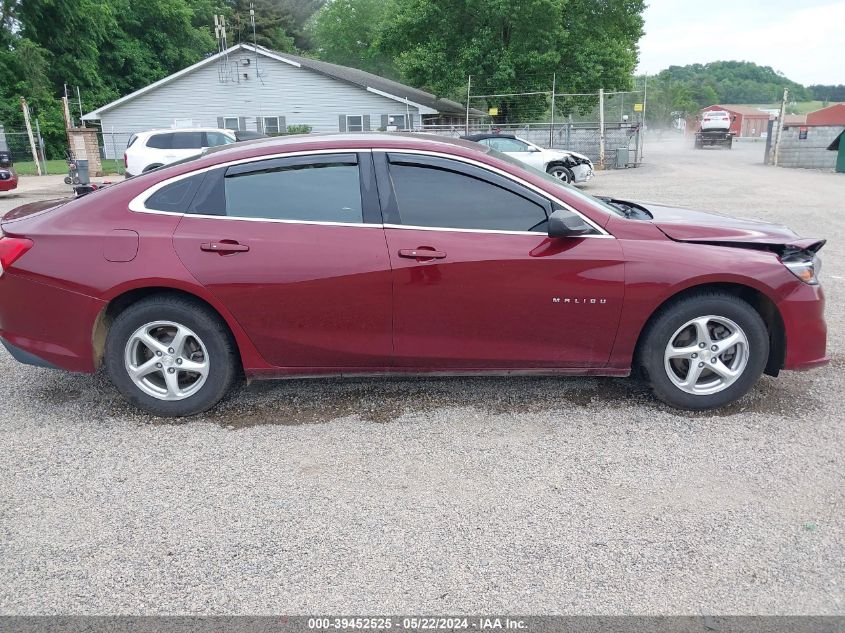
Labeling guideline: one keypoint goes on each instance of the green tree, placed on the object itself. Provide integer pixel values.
(107, 48)
(827, 93)
(738, 82)
(279, 24)
(511, 47)
(347, 32)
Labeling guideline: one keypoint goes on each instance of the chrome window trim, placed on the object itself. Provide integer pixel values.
(446, 229)
(137, 203)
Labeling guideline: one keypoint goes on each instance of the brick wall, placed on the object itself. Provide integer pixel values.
(811, 152)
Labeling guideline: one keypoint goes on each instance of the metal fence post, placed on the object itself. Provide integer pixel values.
(113, 149)
(601, 127)
(780, 124)
(41, 145)
(469, 89)
(552, 126)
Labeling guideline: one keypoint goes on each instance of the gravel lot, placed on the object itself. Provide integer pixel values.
(453, 495)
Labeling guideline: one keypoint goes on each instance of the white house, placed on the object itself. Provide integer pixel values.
(253, 88)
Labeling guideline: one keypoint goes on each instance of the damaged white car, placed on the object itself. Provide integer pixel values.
(569, 167)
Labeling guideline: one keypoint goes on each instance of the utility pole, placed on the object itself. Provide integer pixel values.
(66, 113)
(601, 128)
(781, 116)
(469, 89)
(79, 100)
(642, 125)
(26, 121)
(552, 127)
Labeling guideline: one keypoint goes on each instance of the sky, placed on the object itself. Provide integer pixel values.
(803, 39)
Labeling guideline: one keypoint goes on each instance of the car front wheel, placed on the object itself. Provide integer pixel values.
(704, 351)
(170, 356)
(561, 173)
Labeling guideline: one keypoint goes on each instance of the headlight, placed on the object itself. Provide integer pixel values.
(805, 266)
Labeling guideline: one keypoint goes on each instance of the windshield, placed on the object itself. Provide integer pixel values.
(587, 199)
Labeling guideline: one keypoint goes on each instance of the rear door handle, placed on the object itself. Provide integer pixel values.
(423, 252)
(224, 247)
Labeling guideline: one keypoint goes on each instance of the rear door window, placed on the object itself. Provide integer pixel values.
(188, 140)
(161, 141)
(304, 188)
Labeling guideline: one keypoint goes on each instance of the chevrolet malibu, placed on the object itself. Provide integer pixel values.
(369, 254)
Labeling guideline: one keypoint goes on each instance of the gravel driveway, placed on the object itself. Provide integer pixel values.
(446, 495)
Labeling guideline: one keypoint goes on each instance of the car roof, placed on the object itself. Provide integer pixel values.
(481, 137)
(167, 130)
(352, 140)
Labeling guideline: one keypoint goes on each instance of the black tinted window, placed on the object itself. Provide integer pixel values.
(429, 196)
(321, 189)
(176, 196)
(160, 141)
(187, 140)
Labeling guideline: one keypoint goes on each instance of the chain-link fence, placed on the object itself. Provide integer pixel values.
(605, 126)
(16, 142)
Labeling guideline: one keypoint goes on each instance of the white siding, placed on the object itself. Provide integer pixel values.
(300, 95)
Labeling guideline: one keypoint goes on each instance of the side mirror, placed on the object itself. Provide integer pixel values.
(531, 148)
(563, 223)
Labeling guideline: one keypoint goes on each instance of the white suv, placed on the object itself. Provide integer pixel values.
(155, 148)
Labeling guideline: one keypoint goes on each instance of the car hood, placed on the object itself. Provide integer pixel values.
(688, 225)
(557, 154)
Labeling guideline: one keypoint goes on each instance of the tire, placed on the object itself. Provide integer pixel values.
(679, 325)
(564, 174)
(207, 345)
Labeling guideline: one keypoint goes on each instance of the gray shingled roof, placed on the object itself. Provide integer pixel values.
(365, 80)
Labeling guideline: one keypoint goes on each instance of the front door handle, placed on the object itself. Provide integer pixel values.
(224, 247)
(421, 253)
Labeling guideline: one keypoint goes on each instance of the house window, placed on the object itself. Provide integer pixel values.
(398, 121)
(231, 123)
(354, 123)
(271, 125)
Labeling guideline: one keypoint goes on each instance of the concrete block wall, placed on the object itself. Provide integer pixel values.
(811, 152)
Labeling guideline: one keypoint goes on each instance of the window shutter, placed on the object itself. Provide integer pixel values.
(242, 123)
(385, 121)
(341, 122)
(366, 122)
(283, 126)
(259, 124)
(220, 122)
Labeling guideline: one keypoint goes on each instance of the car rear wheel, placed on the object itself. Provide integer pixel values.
(561, 173)
(170, 356)
(704, 351)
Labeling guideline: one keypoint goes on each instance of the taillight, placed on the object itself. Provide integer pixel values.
(11, 250)
(125, 161)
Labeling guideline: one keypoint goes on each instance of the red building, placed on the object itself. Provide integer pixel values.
(831, 115)
(750, 121)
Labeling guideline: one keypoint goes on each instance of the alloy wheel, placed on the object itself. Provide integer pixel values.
(706, 355)
(166, 360)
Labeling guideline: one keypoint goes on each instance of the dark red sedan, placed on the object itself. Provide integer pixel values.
(389, 254)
